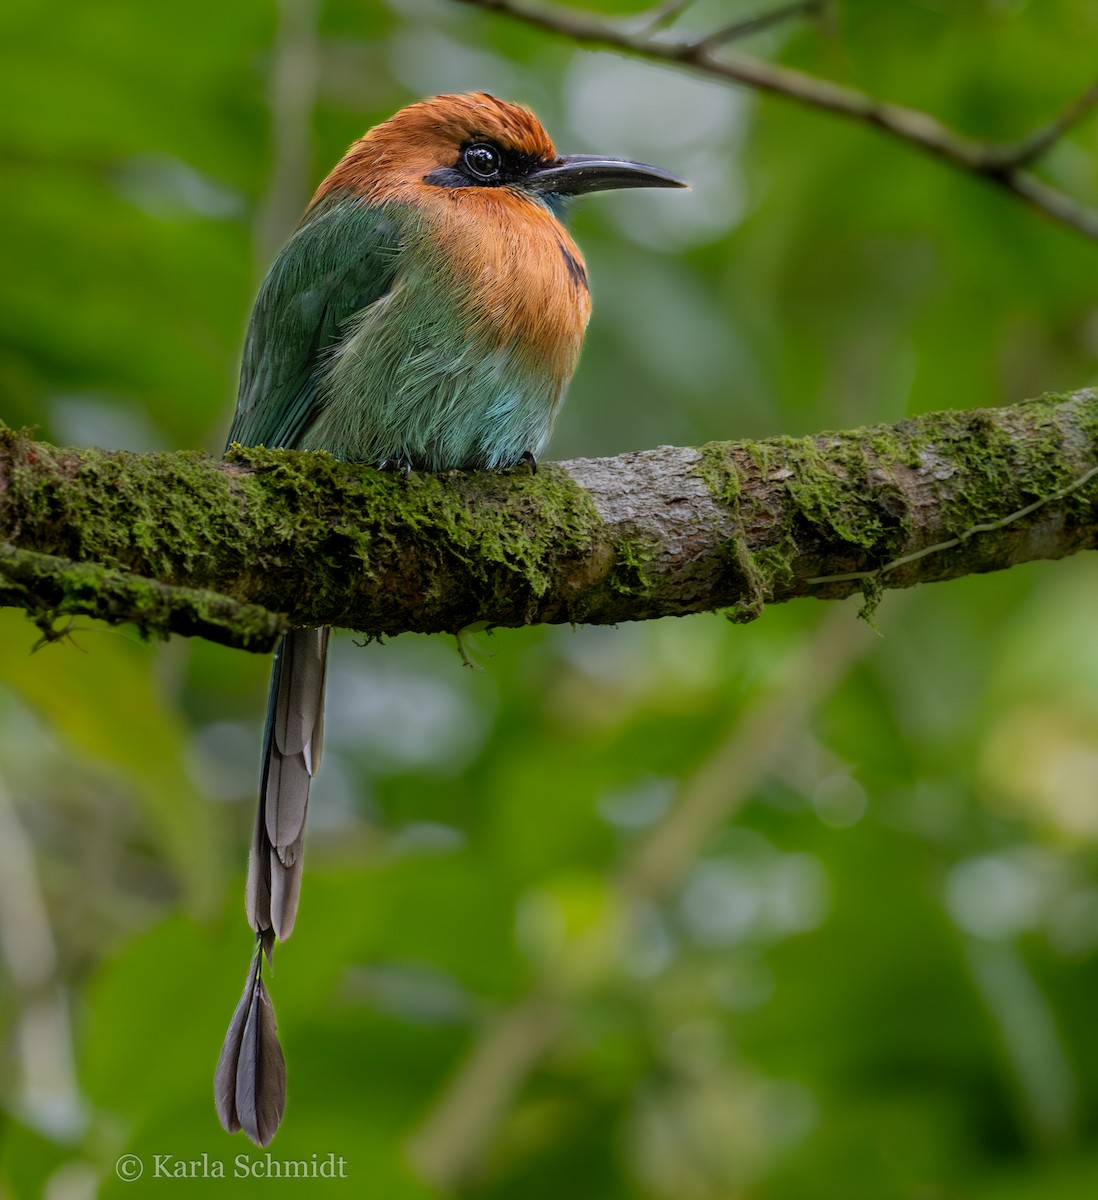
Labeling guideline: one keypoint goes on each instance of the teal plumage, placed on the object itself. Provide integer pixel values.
(340, 261)
(428, 314)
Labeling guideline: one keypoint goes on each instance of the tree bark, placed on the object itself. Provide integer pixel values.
(237, 550)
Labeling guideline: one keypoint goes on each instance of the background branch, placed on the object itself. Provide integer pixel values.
(451, 1140)
(291, 92)
(1001, 163)
(756, 24)
(187, 544)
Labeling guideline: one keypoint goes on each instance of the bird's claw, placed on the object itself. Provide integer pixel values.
(400, 463)
(528, 458)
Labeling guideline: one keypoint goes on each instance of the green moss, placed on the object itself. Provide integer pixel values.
(717, 468)
(357, 516)
(872, 593)
(117, 506)
(834, 483)
(632, 559)
(774, 565)
(739, 569)
(842, 493)
(761, 455)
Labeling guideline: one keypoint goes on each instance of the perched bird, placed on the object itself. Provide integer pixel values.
(426, 315)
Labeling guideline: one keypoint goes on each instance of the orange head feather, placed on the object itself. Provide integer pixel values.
(391, 160)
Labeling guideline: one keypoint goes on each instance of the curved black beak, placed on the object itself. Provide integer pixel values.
(575, 174)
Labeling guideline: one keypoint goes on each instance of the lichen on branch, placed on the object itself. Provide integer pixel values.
(234, 550)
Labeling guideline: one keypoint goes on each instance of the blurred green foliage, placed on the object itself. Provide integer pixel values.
(877, 978)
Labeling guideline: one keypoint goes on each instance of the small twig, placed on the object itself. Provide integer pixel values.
(1041, 140)
(664, 15)
(999, 162)
(749, 25)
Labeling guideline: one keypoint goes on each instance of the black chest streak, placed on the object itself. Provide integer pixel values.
(575, 267)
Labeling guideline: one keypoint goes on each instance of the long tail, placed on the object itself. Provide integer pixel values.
(291, 755)
(250, 1081)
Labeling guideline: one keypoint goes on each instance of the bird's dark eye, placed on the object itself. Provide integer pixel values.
(482, 159)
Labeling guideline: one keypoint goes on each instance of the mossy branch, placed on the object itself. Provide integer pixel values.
(235, 550)
(49, 587)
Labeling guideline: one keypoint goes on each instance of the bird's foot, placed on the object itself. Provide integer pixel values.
(400, 463)
(528, 458)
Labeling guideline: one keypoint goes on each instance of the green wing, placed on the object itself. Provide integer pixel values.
(340, 262)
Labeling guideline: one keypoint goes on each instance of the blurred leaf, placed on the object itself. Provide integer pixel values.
(98, 690)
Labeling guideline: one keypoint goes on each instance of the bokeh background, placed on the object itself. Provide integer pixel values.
(674, 911)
